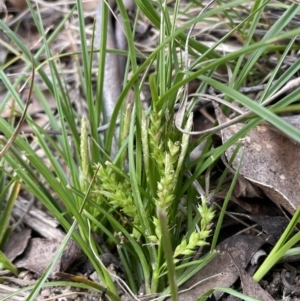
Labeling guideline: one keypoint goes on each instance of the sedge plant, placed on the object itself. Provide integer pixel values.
(142, 202)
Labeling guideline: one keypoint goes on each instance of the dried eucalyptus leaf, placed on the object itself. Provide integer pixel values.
(270, 162)
(40, 252)
(38, 255)
(253, 289)
(17, 244)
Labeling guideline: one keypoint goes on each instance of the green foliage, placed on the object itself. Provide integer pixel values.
(8, 198)
(283, 248)
(145, 194)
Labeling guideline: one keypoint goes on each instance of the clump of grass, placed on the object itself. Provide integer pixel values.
(144, 194)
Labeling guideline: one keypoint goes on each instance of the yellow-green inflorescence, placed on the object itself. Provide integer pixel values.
(198, 237)
(84, 156)
(118, 193)
(169, 158)
(165, 153)
(165, 156)
(156, 142)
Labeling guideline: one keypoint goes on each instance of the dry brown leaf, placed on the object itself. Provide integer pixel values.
(17, 243)
(270, 162)
(40, 252)
(244, 188)
(38, 256)
(255, 206)
(253, 289)
(273, 226)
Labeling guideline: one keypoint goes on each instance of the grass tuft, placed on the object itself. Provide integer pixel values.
(144, 201)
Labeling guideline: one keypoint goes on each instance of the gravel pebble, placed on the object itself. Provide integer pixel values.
(46, 292)
(23, 274)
